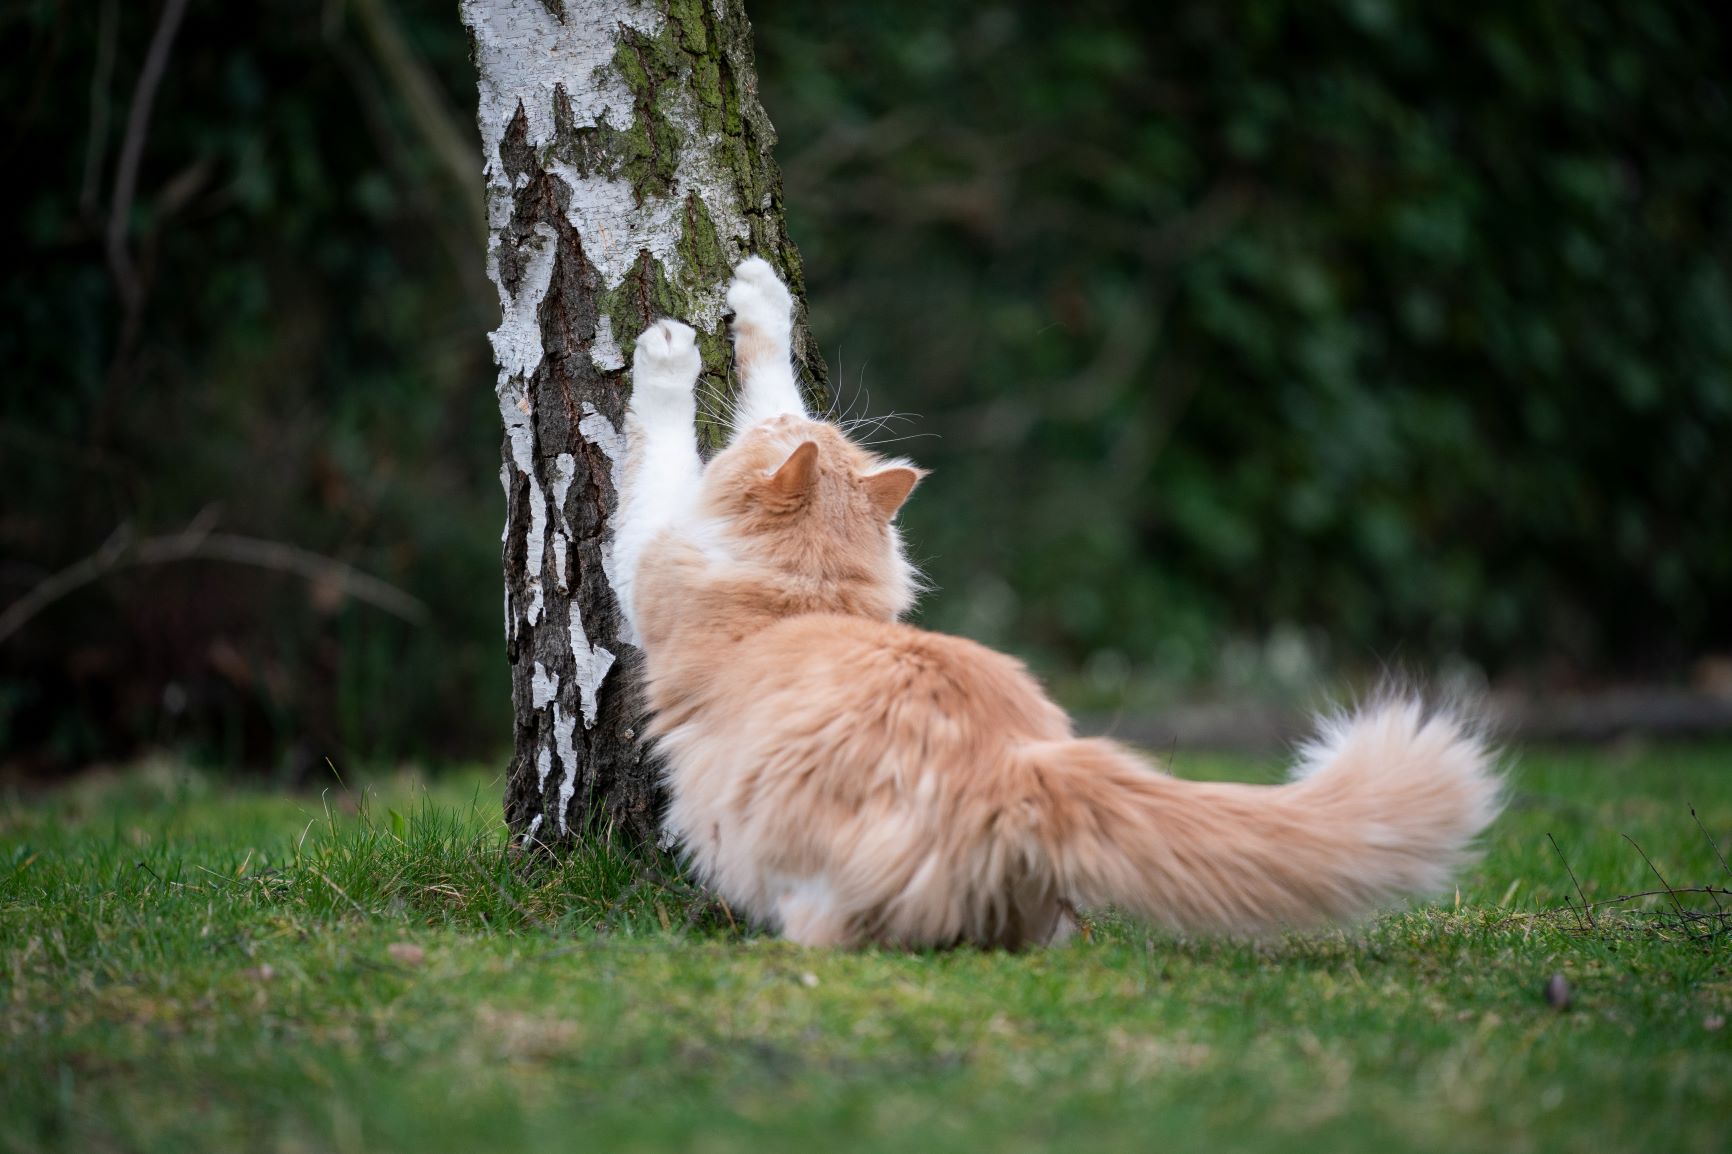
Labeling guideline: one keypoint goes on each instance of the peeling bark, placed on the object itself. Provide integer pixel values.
(628, 167)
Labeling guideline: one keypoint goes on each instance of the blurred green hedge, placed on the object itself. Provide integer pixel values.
(1402, 329)
(1259, 339)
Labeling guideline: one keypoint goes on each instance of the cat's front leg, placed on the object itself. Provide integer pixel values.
(763, 328)
(662, 472)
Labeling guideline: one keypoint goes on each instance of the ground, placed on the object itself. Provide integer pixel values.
(188, 966)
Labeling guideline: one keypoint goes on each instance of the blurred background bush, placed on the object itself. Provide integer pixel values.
(1252, 343)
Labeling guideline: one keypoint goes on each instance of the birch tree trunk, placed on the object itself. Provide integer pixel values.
(628, 167)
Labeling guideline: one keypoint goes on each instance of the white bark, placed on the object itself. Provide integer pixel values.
(627, 167)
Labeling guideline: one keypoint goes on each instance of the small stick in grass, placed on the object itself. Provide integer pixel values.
(1683, 914)
(1585, 907)
(1712, 844)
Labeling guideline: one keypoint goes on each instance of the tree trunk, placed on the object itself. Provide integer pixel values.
(628, 167)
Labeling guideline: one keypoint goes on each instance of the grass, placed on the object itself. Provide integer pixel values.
(189, 967)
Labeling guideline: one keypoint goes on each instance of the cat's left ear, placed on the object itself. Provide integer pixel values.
(796, 476)
(888, 488)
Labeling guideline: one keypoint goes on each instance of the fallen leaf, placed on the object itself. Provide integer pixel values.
(408, 953)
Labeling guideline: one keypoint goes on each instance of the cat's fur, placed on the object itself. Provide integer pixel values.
(847, 779)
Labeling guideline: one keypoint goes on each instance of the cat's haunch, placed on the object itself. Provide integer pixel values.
(844, 778)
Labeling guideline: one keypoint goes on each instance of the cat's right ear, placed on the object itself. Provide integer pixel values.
(790, 483)
(888, 488)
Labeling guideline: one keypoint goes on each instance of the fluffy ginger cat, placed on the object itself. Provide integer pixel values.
(846, 779)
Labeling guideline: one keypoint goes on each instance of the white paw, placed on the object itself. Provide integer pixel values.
(666, 359)
(759, 298)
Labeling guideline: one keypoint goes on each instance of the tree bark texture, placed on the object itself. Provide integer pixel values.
(628, 168)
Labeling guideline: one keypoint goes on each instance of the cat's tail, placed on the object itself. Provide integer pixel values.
(1384, 804)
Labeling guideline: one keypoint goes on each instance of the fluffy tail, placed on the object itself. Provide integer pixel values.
(1383, 804)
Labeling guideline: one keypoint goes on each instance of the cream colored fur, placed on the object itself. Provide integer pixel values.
(848, 779)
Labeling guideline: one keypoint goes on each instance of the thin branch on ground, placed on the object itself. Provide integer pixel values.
(1672, 893)
(1678, 905)
(1585, 906)
(1712, 844)
(1717, 920)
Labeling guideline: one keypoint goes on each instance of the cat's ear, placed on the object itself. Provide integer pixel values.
(888, 488)
(798, 473)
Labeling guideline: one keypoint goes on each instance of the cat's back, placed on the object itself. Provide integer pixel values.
(909, 678)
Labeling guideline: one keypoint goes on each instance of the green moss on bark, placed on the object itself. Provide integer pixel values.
(649, 149)
(590, 150)
(699, 247)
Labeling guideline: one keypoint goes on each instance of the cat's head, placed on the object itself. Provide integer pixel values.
(798, 496)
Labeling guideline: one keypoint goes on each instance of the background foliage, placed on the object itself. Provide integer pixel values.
(1260, 340)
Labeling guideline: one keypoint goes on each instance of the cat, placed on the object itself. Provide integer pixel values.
(846, 779)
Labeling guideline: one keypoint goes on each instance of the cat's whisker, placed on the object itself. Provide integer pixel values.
(876, 424)
(859, 391)
(868, 436)
(714, 395)
(897, 440)
(882, 420)
(711, 401)
(835, 395)
(857, 421)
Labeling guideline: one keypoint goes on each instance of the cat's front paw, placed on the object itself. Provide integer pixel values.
(759, 299)
(666, 360)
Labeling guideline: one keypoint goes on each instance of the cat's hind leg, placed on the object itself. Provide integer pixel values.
(807, 914)
(762, 328)
(662, 472)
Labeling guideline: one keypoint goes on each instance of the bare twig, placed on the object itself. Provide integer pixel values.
(100, 81)
(1718, 919)
(60, 584)
(1585, 906)
(457, 239)
(132, 154)
(1670, 892)
(1712, 844)
(197, 543)
(441, 128)
(286, 558)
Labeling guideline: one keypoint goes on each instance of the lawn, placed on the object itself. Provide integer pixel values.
(189, 966)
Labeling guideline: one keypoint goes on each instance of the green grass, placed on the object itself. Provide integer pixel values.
(186, 967)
